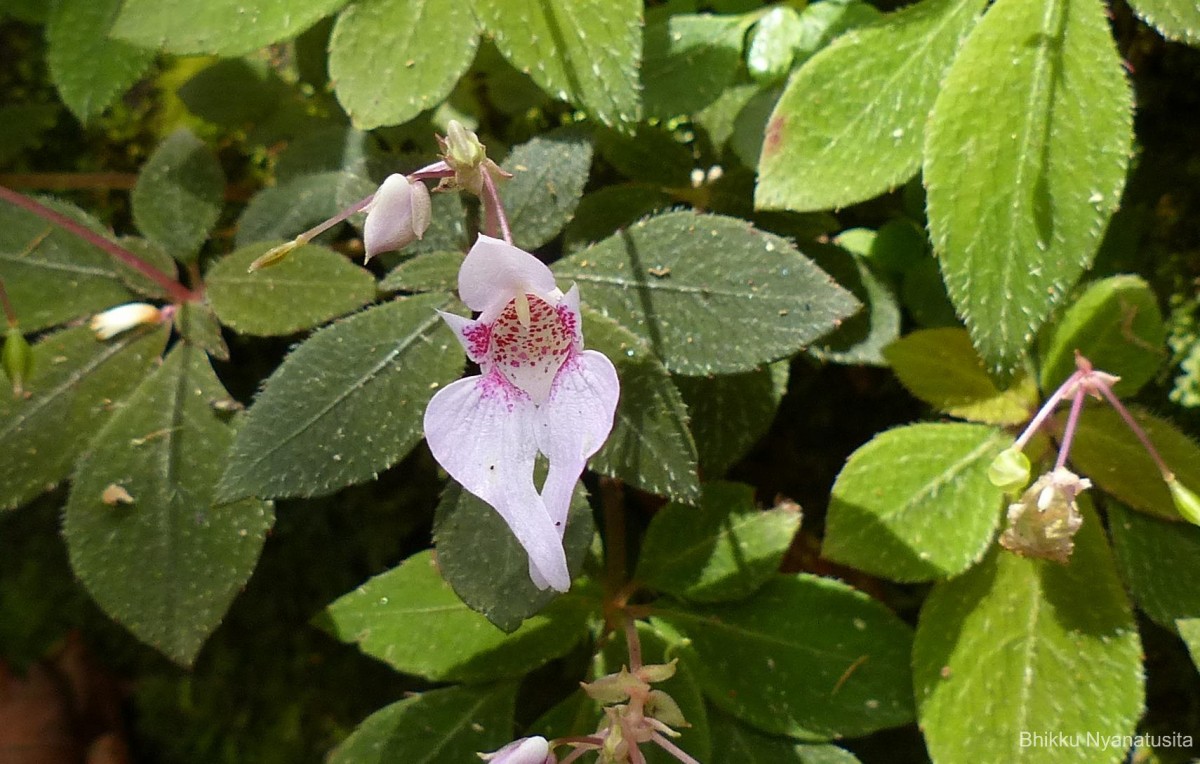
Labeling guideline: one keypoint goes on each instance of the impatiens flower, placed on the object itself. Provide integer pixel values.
(397, 216)
(1044, 522)
(538, 391)
(527, 750)
(122, 318)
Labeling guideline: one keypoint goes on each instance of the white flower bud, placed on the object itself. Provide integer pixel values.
(527, 750)
(397, 216)
(122, 318)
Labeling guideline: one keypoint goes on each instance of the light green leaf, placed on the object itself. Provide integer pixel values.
(736, 742)
(1024, 164)
(806, 657)
(941, 367)
(224, 27)
(1174, 19)
(51, 275)
(650, 445)
(289, 209)
(412, 620)
(167, 564)
(723, 549)
(1189, 632)
(731, 412)
(390, 60)
(999, 647)
(345, 404)
(549, 173)
(690, 60)
(876, 86)
(710, 294)
(73, 382)
(1115, 324)
(432, 272)
(583, 51)
(312, 285)
(89, 69)
(450, 724)
(485, 564)
(179, 194)
(1106, 451)
(915, 503)
(774, 43)
(1156, 560)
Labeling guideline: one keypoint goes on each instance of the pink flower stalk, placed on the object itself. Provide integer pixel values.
(538, 391)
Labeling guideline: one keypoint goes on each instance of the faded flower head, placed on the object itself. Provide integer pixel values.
(527, 750)
(1044, 521)
(122, 318)
(538, 391)
(398, 215)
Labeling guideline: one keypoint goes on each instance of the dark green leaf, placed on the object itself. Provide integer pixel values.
(710, 294)
(862, 337)
(432, 272)
(731, 412)
(549, 173)
(345, 404)
(998, 648)
(481, 559)
(603, 212)
(154, 256)
(690, 59)
(283, 211)
(653, 154)
(915, 503)
(723, 549)
(166, 564)
(234, 92)
(750, 126)
(450, 724)
(736, 742)
(179, 194)
(74, 381)
(197, 324)
(806, 657)
(1156, 559)
(312, 285)
(412, 620)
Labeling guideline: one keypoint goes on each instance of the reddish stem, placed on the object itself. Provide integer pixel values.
(178, 292)
(1069, 432)
(493, 210)
(9, 313)
(1137, 429)
(635, 644)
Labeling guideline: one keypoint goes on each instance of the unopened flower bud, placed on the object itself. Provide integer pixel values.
(527, 750)
(1009, 471)
(462, 146)
(122, 318)
(275, 255)
(18, 359)
(1187, 503)
(397, 216)
(1044, 521)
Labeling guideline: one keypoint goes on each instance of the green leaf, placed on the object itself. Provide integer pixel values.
(74, 380)
(773, 44)
(941, 367)
(1024, 164)
(750, 126)
(1156, 559)
(653, 154)
(167, 564)
(485, 564)
(998, 648)
(730, 413)
(915, 504)
(806, 657)
(179, 194)
(876, 86)
(22, 126)
(51, 275)
(432, 272)
(549, 173)
(723, 549)
(734, 741)
(198, 325)
(583, 51)
(289, 209)
(710, 294)
(390, 60)
(1174, 19)
(1115, 324)
(412, 620)
(88, 68)
(861, 338)
(1106, 451)
(650, 445)
(604, 211)
(450, 724)
(690, 60)
(154, 256)
(223, 27)
(332, 149)
(312, 285)
(234, 92)
(1189, 632)
(345, 404)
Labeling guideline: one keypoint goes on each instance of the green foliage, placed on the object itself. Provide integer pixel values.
(1011, 637)
(729, 413)
(1175, 19)
(1151, 554)
(289, 209)
(733, 741)
(400, 616)
(549, 173)
(144, 533)
(689, 60)
(178, 196)
(1024, 164)
(433, 272)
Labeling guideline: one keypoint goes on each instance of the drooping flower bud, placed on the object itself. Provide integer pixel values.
(1009, 471)
(1187, 503)
(527, 750)
(397, 216)
(1044, 521)
(18, 359)
(122, 318)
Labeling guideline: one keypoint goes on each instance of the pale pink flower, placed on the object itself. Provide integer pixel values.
(538, 391)
(527, 750)
(398, 215)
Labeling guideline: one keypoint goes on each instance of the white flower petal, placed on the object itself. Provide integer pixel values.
(481, 430)
(495, 272)
(390, 221)
(527, 750)
(474, 336)
(113, 321)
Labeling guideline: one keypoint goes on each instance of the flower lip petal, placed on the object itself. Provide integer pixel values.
(495, 272)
